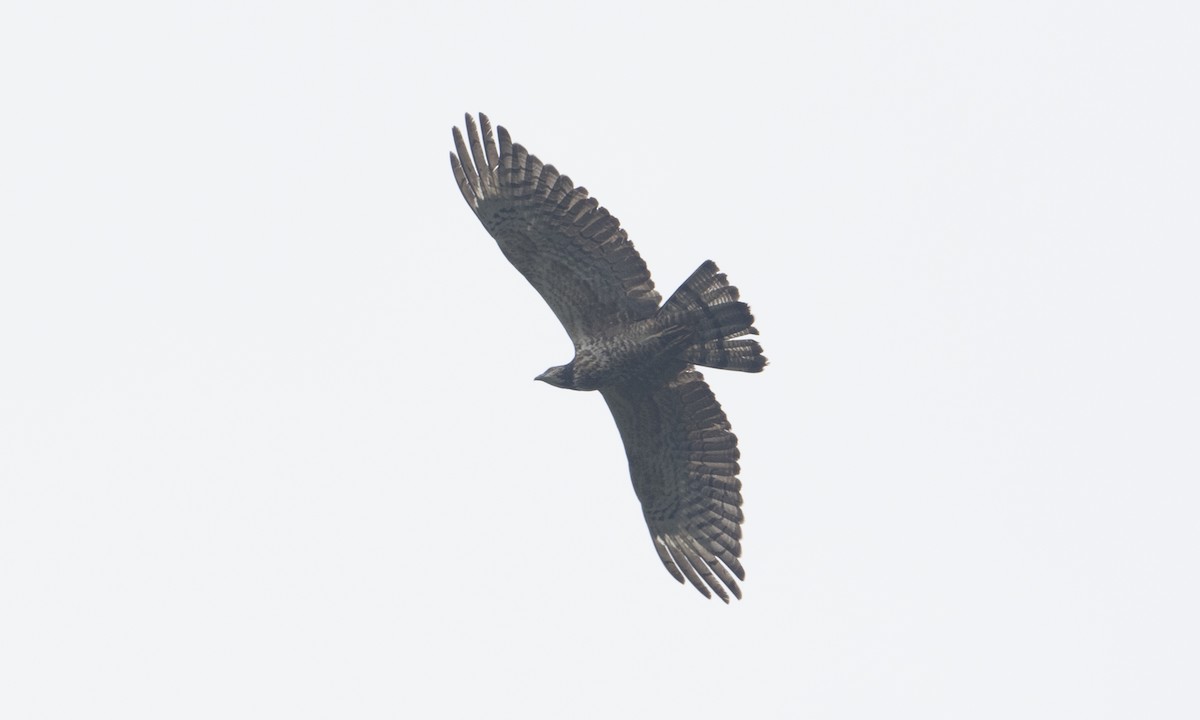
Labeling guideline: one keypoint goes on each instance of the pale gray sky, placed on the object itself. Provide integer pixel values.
(270, 444)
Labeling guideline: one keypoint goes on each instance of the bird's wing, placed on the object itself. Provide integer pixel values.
(568, 247)
(683, 461)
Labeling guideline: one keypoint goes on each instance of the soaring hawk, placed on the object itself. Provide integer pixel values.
(640, 356)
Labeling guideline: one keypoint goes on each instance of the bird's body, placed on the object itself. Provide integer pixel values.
(638, 355)
(640, 351)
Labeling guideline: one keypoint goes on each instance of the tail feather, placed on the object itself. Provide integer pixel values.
(709, 307)
(743, 354)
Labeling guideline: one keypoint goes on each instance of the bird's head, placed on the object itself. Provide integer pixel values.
(562, 376)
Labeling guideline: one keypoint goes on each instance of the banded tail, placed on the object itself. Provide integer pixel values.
(709, 307)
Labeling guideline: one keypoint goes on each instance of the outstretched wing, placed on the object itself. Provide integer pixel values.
(683, 460)
(568, 247)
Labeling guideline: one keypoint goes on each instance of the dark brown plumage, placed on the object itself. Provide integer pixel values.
(682, 454)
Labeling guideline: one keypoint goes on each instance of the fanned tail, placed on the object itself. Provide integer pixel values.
(709, 307)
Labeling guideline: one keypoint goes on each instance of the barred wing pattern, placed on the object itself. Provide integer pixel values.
(570, 249)
(683, 461)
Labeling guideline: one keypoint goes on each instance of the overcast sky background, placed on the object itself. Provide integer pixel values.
(270, 444)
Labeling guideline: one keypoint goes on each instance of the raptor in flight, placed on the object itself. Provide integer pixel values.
(638, 354)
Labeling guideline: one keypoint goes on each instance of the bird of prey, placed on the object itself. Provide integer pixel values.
(638, 354)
